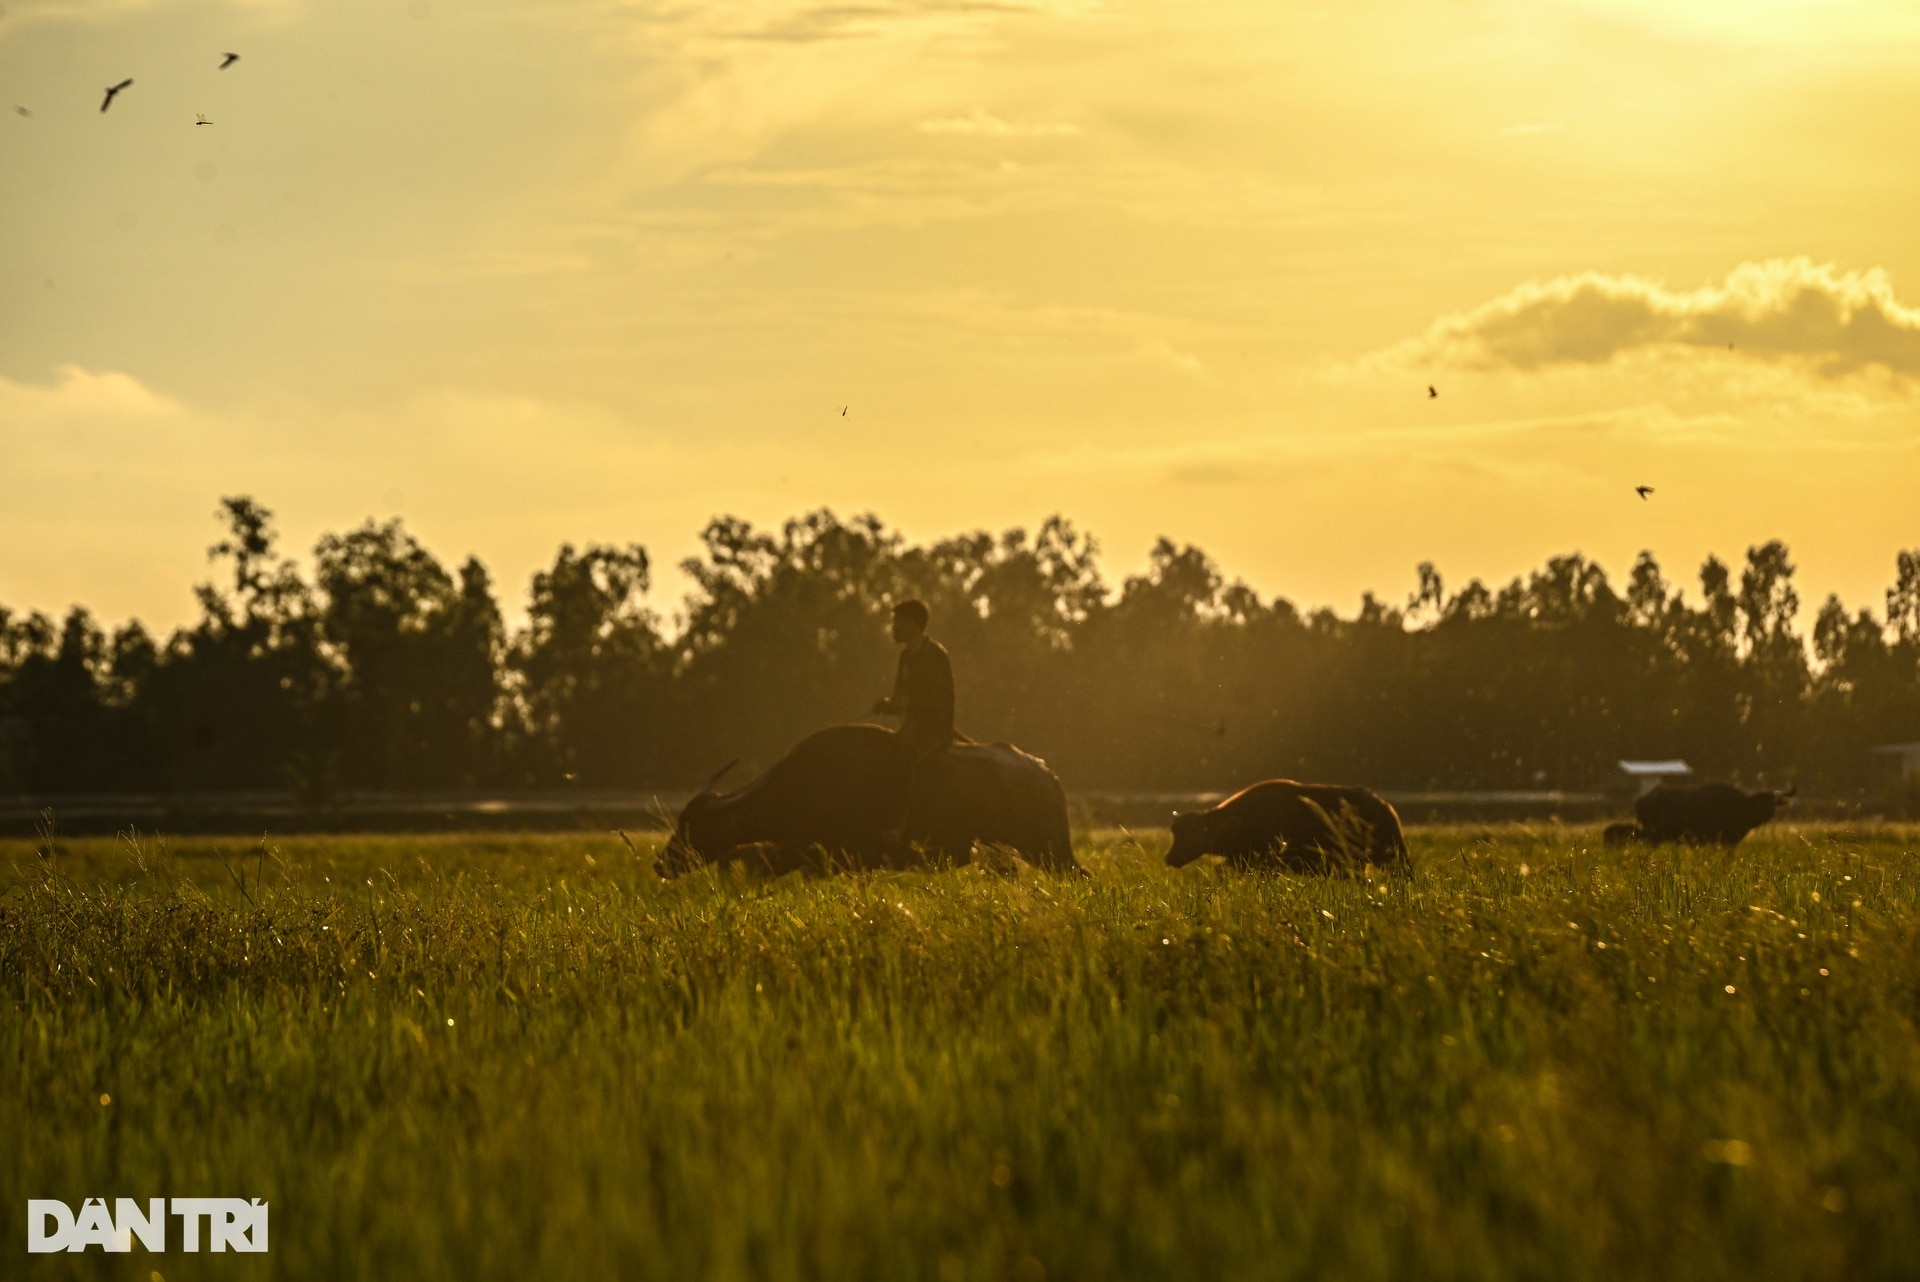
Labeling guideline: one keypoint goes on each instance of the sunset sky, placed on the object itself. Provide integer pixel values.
(526, 271)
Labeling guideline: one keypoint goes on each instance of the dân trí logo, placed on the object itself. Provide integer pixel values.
(232, 1224)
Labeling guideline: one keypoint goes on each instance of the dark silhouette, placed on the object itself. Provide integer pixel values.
(596, 696)
(1643, 491)
(833, 797)
(1300, 827)
(922, 698)
(1717, 814)
(112, 90)
(201, 120)
(922, 684)
(227, 60)
(421, 654)
(1432, 391)
(21, 111)
(375, 666)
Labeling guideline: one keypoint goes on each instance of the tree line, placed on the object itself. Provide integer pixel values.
(381, 668)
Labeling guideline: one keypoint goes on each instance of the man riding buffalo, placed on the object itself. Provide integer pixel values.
(922, 698)
(866, 796)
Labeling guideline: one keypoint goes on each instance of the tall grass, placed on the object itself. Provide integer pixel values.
(527, 1058)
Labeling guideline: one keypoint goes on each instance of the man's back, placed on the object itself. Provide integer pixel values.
(924, 683)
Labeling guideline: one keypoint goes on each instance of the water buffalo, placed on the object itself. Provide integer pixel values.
(1303, 827)
(1705, 814)
(839, 791)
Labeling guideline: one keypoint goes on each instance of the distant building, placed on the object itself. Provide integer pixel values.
(1904, 756)
(1648, 775)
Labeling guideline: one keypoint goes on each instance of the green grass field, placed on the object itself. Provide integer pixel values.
(525, 1057)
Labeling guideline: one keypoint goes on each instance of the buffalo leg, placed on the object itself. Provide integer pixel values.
(1048, 857)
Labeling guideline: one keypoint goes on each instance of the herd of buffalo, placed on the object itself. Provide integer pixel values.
(835, 801)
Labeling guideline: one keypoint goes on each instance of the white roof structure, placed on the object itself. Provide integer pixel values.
(1657, 769)
(1907, 754)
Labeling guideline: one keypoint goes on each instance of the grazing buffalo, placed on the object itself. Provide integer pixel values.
(1705, 814)
(1303, 827)
(840, 790)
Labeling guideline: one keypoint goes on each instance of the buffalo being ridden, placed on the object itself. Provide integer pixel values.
(839, 794)
(1298, 827)
(1706, 814)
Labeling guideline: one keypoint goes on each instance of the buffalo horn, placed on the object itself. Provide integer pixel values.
(715, 778)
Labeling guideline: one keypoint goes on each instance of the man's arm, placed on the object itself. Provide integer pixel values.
(895, 704)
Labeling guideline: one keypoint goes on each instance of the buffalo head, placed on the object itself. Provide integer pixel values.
(1197, 834)
(1770, 802)
(700, 833)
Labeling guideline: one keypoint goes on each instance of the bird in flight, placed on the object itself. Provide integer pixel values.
(227, 60)
(22, 111)
(111, 91)
(1643, 491)
(1431, 391)
(200, 119)
(844, 409)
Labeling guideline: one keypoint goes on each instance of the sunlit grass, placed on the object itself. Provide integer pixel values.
(526, 1057)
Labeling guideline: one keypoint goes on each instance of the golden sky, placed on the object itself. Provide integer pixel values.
(526, 271)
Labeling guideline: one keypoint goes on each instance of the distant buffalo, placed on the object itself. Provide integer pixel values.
(839, 792)
(1707, 814)
(1301, 827)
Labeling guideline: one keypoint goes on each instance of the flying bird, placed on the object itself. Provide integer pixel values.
(227, 60)
(1431, 391)
(1643, 491)
(111, 91)
(22, 111)
(199, 119)
(844, 409)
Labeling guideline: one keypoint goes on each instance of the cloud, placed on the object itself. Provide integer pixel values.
(80, 394)
(1836, 322)
(807, 23)
(980, 124)
(105, 11)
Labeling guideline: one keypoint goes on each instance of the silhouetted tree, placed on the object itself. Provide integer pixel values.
(417, 656)
(596, 678)
(387, 671)
(235, 698)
